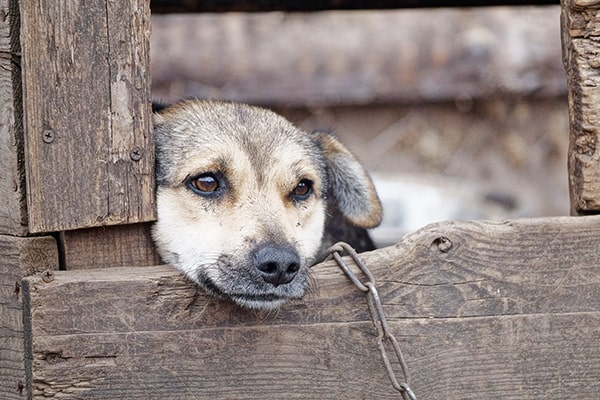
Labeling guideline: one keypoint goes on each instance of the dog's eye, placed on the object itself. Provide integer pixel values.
(205, 183)
(303, 190)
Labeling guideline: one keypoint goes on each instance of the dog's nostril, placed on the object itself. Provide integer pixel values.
(276, 265)
(293, 268)
(269, 268)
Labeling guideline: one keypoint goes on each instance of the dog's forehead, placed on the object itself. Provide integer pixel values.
(203, 134)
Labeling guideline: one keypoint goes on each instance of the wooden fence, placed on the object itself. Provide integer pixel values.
(481, 309)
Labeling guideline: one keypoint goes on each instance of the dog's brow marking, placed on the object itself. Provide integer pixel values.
(258, 157)
(218, 164)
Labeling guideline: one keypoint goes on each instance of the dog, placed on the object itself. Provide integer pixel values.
(247, 202)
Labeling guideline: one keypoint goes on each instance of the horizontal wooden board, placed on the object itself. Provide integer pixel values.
(481, 309)
(89, 151)
(337, 58)
(109, 246)
(20, 257)
(517, 357)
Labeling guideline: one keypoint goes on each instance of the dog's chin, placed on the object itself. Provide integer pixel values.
(256, 299)
(259, 304)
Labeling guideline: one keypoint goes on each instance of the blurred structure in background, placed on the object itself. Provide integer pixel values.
(458, 113)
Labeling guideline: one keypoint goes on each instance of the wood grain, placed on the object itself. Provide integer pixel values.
(581, 46)
(517, 357)
(332, 59)
(110, 246)
(20, 257)
(13, 213)
(493, 310)
(87, 110)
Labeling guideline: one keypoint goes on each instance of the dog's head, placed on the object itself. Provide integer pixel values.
(242, 198)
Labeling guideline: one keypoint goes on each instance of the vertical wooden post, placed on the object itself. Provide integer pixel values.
(581, 57)
(88, 148)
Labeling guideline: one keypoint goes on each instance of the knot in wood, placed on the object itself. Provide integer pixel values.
(53, 357)
(20, 387)
(443, 244)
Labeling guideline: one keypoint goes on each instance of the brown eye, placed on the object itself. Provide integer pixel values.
(303, 190)
(205, 183)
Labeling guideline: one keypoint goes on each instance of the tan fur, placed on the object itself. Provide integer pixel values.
(259, 158)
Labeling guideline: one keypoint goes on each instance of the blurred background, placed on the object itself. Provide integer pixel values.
(457, 113)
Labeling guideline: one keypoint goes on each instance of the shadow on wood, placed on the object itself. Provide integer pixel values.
(506, 309)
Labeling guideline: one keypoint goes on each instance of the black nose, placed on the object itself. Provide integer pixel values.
(277, 265)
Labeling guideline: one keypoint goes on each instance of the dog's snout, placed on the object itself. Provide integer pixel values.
(276, 265)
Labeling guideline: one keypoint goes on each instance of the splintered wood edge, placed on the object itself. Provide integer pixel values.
(586, 3)
(580, 27)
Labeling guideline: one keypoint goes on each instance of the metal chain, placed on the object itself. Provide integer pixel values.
(377, 315)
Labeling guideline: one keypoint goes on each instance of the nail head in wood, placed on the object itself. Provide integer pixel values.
(47, 276)
(136, 153)
(48, 136)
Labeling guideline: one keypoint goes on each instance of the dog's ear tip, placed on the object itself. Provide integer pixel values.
(371, 214)
(375, 217)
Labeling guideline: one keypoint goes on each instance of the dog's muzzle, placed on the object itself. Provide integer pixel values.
(276, 265)
(270, 275)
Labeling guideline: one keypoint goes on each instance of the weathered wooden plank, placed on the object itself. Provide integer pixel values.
(326, 59)
(20, 257)
(517, 357)
(516, 267)
(170, 6)
(581, 48)
(481, 309)
(13, 214)
(110, 246)
(89, 151)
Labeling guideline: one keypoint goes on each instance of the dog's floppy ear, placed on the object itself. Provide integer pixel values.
(349, 186)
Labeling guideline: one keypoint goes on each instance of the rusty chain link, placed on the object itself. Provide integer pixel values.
(377, 315)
